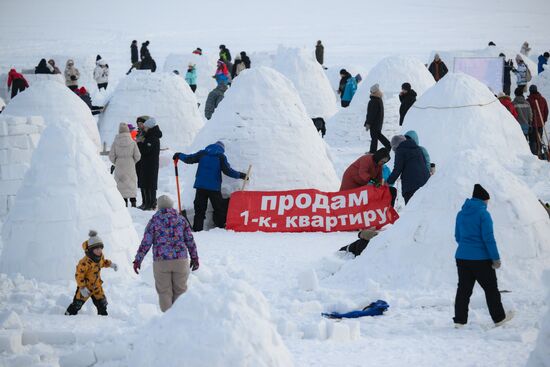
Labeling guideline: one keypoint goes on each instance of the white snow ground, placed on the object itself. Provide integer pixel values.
(291, 270)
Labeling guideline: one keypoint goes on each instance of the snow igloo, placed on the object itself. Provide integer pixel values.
(205, 66)
(164, 96)
(472, 139)
(222, 322)
(66, 191)
(54, 101)
(310, 80)
(263, 123)
(19, 137)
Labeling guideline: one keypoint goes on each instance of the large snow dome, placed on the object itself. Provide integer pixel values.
(472, 139)
(216, 323)
(263, 122)
(54, 101)
(205, 66)
(542, 81)
(19, 137)
(66, 192)
(309, 78)
(164, 96)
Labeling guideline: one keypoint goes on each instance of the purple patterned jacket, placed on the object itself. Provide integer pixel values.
(170, 235)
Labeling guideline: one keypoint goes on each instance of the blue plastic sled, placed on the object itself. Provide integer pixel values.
(374, 309)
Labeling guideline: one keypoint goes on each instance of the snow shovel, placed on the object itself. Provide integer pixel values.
(247, 178)
(182, 212)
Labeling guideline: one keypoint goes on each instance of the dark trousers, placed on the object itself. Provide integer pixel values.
(320, 125)
(345, 103)
(393, 192)
(73, 87)
(102, 85)
(17, 86)
(408, 195)
(506, 89)
(149, 199)
(535, 141)
(375, 136)
(132, 202)
(470, 271)
(76, 305)
(193, 87)
(201, 204)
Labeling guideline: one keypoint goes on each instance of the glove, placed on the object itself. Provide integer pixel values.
(194, 264)
(367, 127)
(176, 157)
(85, 292)
(496, 264)
(137, 266)
(114, 266)
(243, 176)
(73, 77)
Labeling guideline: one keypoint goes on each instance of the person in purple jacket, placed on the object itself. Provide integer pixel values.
(170, 236)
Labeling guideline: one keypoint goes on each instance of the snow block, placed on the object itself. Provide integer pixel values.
(22, 361)
(31, 337)
(10, 320)
(308, 281)
(10, 341)
(80, 358)
(338, 331)
(317, 331)
(110, 352)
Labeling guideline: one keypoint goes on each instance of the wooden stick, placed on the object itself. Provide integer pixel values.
(247, 178)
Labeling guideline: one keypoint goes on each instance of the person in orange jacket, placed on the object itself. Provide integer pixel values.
(88, 276)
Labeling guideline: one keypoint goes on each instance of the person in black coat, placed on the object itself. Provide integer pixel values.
(134, 56)
(245, 59)
(407, 98)
(320, 52)
(149, 148)
(508, 68)
(144, 51)
(375, 119)
(410, 165)
(42, 68)
(438, 68)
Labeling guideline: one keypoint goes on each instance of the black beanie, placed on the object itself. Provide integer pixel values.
(380, 154)
(533, 89)
(406, 86)
(519, 91)
(480, 193)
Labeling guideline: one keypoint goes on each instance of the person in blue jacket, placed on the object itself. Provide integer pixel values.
(208, 182)
(191, 77)
(543, 60)
(410, 165)
(411, 134)
(477, 258)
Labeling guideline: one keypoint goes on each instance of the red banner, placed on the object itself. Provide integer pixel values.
(310, 210)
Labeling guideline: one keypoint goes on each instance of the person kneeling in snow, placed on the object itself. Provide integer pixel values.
(88, 276)
(170, 236)
(212, 162)
(365, 169)
(477, 258)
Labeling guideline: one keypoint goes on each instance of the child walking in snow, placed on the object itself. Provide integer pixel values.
(88, 276)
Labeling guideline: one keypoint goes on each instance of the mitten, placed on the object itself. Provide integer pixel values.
(137, 266)
(176, 156)
(194, 264)
(496, 264)
(114, 266)
(85, 292)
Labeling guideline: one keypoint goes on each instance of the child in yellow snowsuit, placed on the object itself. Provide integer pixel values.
(88, 277)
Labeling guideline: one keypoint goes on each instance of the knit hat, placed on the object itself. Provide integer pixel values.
(131, 127)
(519, 58)
(165, 202)
(82, 91)
(519, 91)
(406, 86)
(501, 94)
(480, 193)
(94, 240)
(375, 88)
(367, 234)
(220, 143)
(396, 140)
(150, 123)
(546, 54)
(142, 119)
(492, 43)
(533, 89)
(343, 71)
(123, 128)
(381, 154)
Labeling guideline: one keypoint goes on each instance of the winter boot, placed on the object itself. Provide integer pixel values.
(125, 202)
(101, 305)
(133, 202)
(153, 198)
(509, 316)
(143, 199)
(74, 307)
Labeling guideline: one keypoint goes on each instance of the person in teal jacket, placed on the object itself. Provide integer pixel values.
(349, 90)
(191, 77)
(477, 258)
(411, 134)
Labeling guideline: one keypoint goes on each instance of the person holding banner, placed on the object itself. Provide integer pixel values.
(365, 169)
(208, 182)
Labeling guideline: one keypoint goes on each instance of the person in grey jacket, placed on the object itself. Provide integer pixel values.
(214, 99)
(525, 113)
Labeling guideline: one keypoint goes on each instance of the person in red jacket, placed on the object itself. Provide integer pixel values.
(507, 102)
(540, 116)
(366, 168)
(16, 82)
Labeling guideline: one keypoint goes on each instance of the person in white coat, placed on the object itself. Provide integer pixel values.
(124, 155)
(101, 74)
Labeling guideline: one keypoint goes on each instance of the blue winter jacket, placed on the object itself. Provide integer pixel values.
(542, 61)
(414, 136)
(350, 89)
(191, 77)
(410, 165)
(212, 162)
(474, 232)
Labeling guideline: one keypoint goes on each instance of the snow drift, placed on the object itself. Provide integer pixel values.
(66, 192)
(309, 78)
(54, 102)
(221, 322)
(263, 123)
(481, 143)
(542, 81)
(164, 96)
(540, 356)
(205, 66)
(18, 139)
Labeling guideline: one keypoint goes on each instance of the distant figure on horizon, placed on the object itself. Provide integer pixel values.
(320, 52)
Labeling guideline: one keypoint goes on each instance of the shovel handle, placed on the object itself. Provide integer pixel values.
(177, 183)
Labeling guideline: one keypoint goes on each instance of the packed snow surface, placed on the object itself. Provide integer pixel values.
(164, 96)
(66, 192)
(54, 101)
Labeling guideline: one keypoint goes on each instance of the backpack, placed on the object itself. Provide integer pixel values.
(528, 75)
